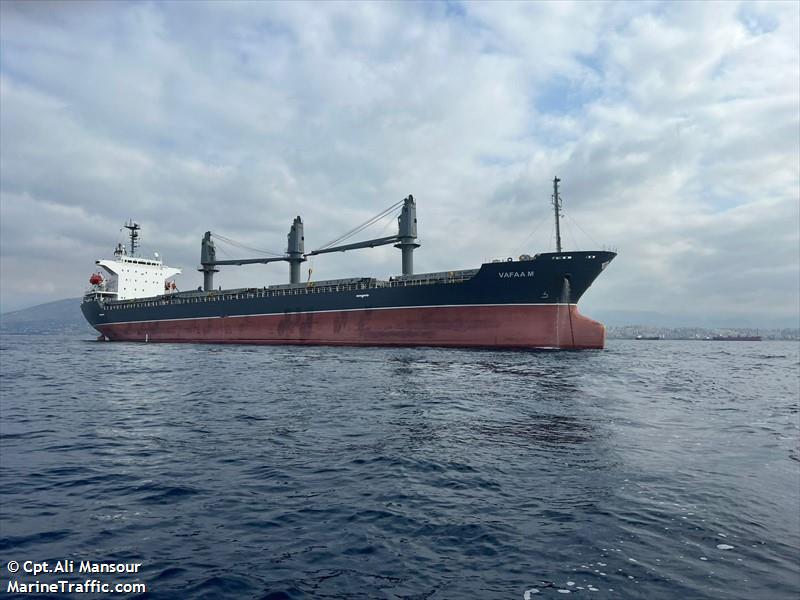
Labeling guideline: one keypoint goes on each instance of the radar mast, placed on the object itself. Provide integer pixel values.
(134, 228)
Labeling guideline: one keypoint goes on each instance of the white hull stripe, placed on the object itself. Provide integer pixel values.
(311, 312)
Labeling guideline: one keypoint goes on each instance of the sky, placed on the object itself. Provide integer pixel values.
(674, 127)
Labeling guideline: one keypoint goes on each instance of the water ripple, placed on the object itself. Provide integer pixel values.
(645, 471)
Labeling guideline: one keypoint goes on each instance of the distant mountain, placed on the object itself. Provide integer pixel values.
(61, 316)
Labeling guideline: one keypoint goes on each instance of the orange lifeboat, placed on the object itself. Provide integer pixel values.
(96, 279)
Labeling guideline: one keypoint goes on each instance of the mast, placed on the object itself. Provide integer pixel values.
(557, 209)
(295, 248)
(407, 234)
(208, 261)
(134, 233)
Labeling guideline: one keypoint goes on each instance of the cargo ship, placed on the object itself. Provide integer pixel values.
(526, 302)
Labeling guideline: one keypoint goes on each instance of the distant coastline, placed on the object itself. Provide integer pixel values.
(650, 333)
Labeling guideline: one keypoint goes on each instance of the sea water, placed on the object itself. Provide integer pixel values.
(652, 469)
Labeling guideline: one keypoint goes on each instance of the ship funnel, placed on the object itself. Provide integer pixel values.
(407, 234)
(295, 249)
(208, 257)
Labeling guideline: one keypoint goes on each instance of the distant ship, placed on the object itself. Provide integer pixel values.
(530, 302)
(735, 338)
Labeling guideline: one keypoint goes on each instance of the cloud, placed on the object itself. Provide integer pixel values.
(674, 127)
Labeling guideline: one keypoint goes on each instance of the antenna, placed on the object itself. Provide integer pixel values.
(557, 209)
(134, 229)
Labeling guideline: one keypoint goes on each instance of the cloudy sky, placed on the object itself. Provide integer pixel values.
(675, 128)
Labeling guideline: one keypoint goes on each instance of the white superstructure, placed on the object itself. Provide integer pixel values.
(129, 276)
(135, 277)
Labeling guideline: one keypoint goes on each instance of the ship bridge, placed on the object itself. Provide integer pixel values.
(129, 276)
(134, 277)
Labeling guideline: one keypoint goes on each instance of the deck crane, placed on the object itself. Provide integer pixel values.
(294, 256)
(405, 240)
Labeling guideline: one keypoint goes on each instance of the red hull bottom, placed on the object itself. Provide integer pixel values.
(500, 326)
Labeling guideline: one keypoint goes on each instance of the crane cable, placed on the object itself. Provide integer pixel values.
(227, 240)
(363, 226)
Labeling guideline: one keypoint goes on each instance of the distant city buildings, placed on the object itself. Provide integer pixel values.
(631, 332)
